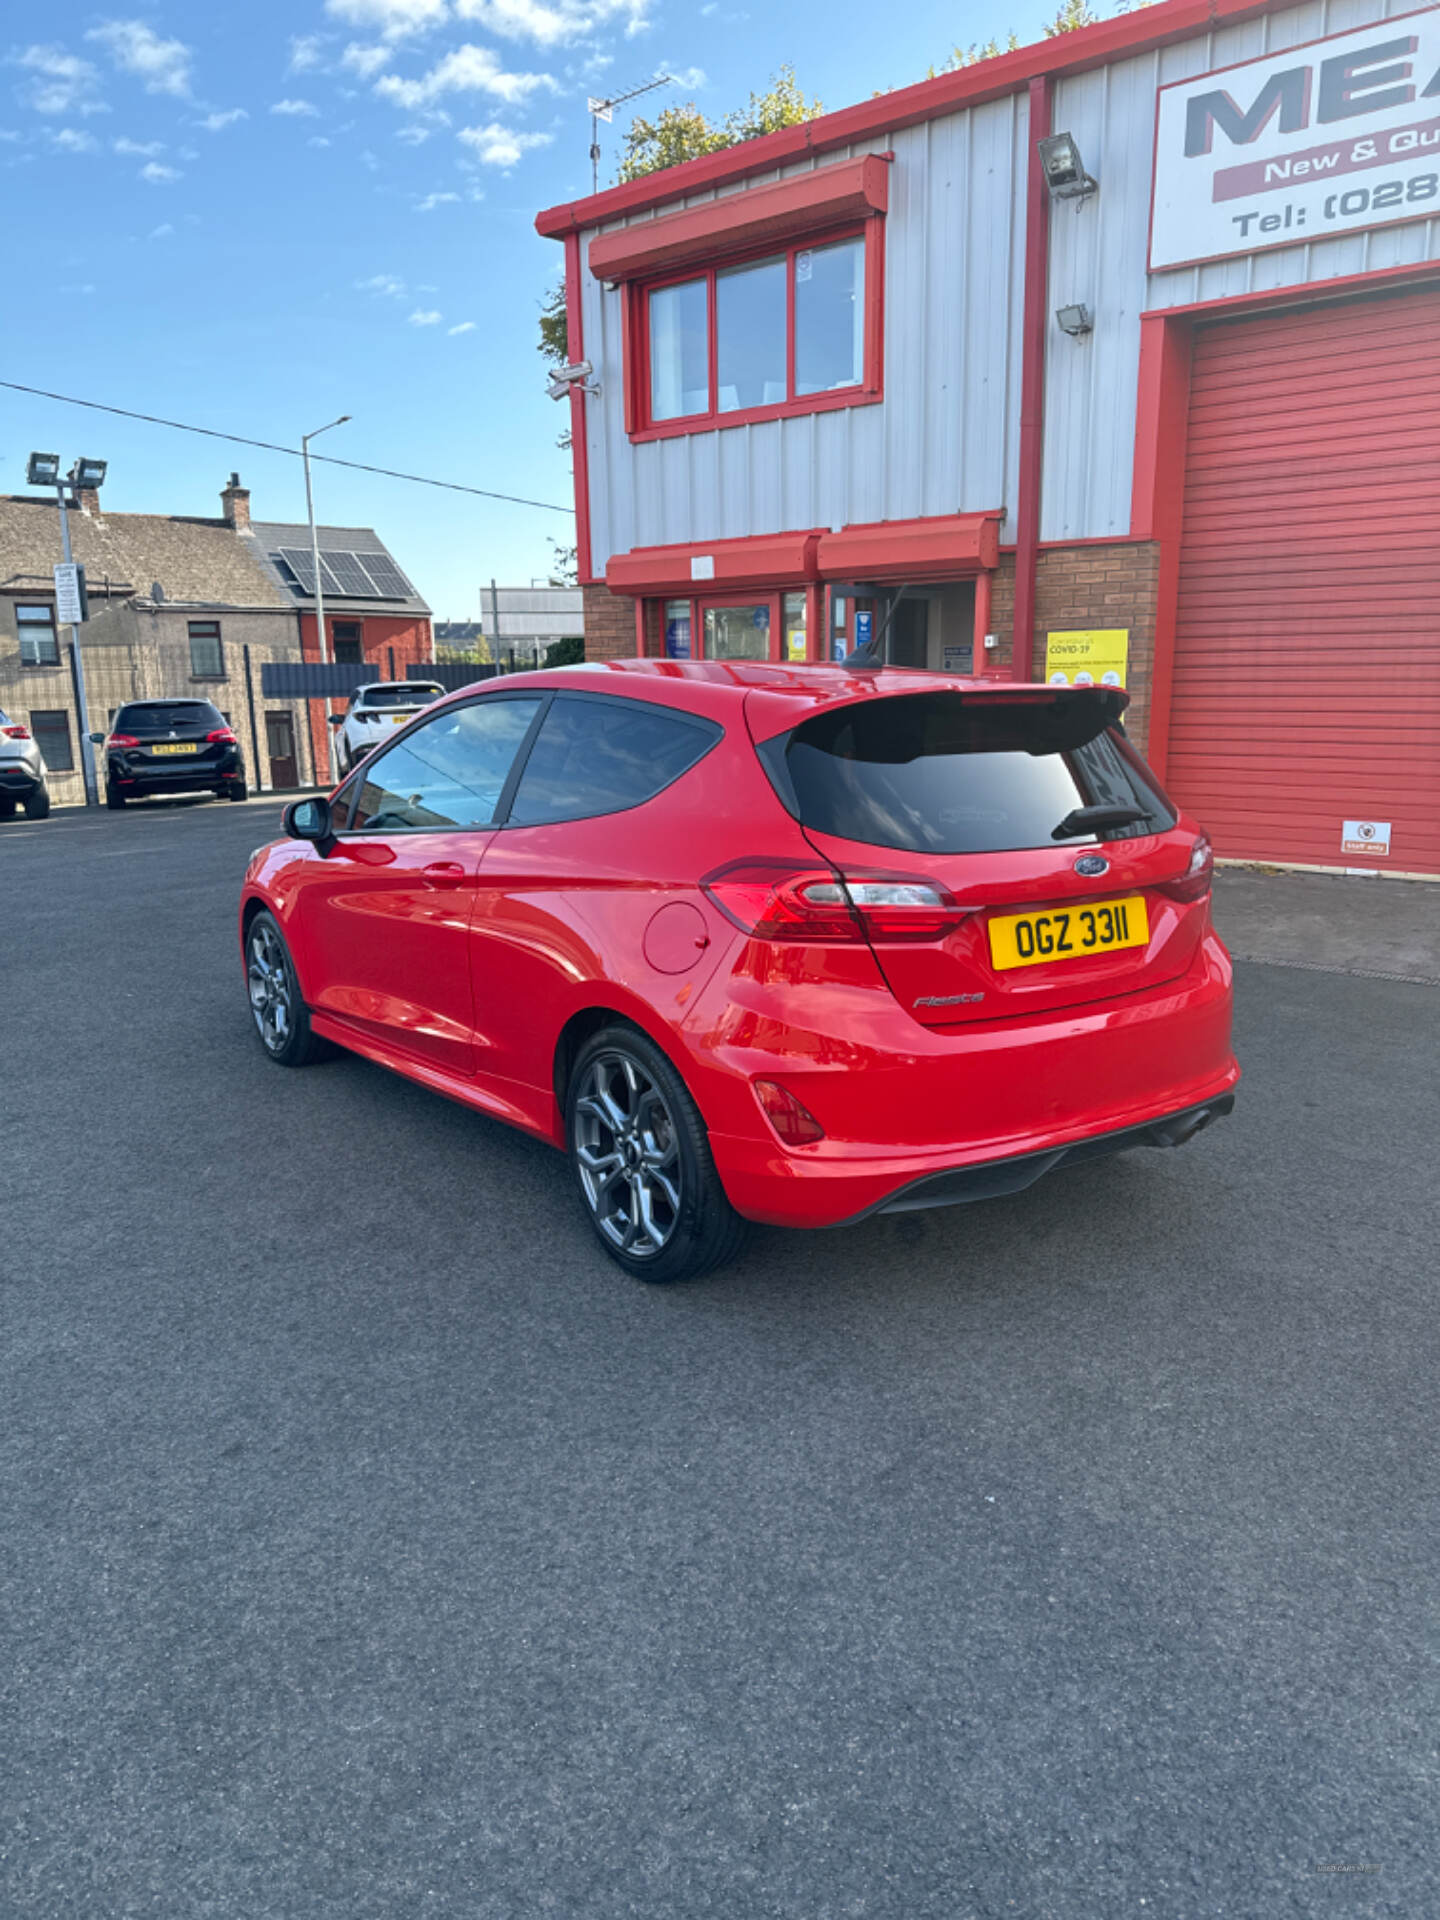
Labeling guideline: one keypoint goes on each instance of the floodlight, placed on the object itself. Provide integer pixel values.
(43, 470)
(1074, 320)
(1063, 168)
(89, 474)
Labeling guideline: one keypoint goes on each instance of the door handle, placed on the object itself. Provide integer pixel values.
(444, 873)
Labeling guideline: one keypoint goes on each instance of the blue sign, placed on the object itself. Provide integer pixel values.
(864, 627)
(677, 637)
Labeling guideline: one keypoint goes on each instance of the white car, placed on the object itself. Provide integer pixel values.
(22, 772)
(374, 712)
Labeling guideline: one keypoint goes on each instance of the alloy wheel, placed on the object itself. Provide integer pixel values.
(628, 1154)
(268, 977)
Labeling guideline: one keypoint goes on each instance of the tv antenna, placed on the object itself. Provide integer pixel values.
(605, 110)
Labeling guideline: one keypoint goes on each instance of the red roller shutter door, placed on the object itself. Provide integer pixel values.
(1307, 653)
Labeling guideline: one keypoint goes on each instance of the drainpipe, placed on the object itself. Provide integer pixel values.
(1034, 328)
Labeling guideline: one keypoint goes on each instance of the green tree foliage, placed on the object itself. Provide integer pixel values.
(564, 568)
(1073, 14)
(554, 342)
(968, 56)
(682, 132)
(565, 653)
(1070, 15)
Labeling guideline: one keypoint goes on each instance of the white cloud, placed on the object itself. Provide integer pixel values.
(433, 200)
(386, 283)
(164, 65)
(162, 232)
(364, 60)
(217, 122)
(142, 149)
(465, 326)
(9, 134)
(693, 77)
(63, 82)
(423, 317)
(551, 23)
(466, 69)
(305, 52)
(367, 159)
(394, 19)
(157, 175)
(317, 140)
(67, 140)
(497, 146)
(413, 136)
(296, 109)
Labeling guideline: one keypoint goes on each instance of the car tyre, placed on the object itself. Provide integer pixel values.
(282, 1020)
(238, 792)
(114, 799)
(642, 1162)
(7, 808)
(37, 804)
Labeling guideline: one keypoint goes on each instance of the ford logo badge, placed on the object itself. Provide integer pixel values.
(1092, 863)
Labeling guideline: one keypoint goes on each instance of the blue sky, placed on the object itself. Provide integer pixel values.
(259, 217)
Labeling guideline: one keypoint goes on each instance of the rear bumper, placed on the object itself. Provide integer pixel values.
(989, 1110)
(191, 777)
(17, 781)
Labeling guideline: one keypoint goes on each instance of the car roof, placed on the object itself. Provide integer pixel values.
(780, 696)
(377, 686)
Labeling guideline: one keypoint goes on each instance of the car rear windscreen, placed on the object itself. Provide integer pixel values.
(416, 696)
(944, 773)
(168, 716)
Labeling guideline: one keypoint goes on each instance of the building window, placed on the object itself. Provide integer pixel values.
(51, 728)
(738, 633)
(345, 642)
(677, 629)
(788, 332)
(39, 642)
(207, 655)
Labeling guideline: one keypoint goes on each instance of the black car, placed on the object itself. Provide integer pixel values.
(171, 746)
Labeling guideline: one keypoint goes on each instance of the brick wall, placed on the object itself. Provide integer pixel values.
(609, 625)
(1089, 586)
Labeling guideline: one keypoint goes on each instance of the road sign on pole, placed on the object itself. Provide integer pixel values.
(71, 607)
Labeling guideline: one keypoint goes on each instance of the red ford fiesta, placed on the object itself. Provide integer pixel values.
(760, 943)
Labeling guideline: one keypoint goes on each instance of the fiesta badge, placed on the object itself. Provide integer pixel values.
(1092, 863)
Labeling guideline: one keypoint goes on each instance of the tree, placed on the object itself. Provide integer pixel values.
(564, 567)
(565, 653)
(1073, 14)
(968, 56)
(682, 132)
(554, 330)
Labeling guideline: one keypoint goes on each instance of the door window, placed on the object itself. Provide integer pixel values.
(450, 772)
(603, 756)
(738, 633)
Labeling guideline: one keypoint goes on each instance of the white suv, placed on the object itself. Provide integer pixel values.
(374, 712)
(22, 772)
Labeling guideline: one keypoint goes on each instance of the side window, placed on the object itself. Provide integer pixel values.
(341, 802)
(448, 773)
(602, 756)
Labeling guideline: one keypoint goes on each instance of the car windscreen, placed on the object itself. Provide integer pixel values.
(415, 696)
(168, 716)
(944, 772)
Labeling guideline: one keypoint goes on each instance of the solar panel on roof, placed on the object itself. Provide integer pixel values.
(390, 583)
(301, 564)
(349, 573)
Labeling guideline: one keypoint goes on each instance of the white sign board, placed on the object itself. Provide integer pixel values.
(1365, 836)
(69, 603)
(1331, 137)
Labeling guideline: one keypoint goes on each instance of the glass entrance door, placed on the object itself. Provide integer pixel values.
(740, 632)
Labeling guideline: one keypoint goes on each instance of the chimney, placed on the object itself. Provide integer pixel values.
(235, 505)
(89, 501)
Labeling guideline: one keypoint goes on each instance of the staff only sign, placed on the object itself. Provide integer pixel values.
(1327, 138)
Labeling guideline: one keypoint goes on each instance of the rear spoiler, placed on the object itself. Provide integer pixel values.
(1081, 713)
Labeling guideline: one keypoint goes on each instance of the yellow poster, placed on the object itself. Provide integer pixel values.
(795, 641)
(1087, 657)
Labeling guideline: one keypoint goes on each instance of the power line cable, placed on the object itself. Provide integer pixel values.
(269, 446)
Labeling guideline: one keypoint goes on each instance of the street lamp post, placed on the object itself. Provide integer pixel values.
(305, 440)
(87, 475)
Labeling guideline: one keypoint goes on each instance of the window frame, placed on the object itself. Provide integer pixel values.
(63, 714)
(640, 425)
(213, 632)
(46, 607)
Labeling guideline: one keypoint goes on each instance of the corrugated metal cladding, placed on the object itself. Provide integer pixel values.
(1305, 691)
(944, 438)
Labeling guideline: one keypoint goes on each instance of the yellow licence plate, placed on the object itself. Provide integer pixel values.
(1068, 933)
(173, 746)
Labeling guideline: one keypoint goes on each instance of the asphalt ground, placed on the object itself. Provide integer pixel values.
(372, 1547)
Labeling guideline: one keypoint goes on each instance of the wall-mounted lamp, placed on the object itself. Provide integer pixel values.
(1074, 320)
(1063, 168)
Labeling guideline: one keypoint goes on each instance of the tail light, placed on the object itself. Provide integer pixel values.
(773, 900)
(16, 733)
(1196, 880)
(221, 736)
(123, 740)
(794, 1123)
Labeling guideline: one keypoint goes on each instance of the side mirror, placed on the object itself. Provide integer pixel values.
(309, 820)
(96, 739)
(337, 720)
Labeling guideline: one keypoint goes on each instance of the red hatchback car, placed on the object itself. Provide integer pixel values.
(760, 943)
